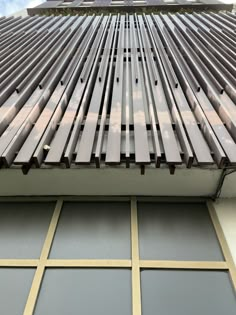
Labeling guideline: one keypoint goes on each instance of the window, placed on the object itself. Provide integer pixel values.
(112, 256)
(181, 292)
(91, 230)
(172, 231)
(117, 2)
(65, 3)
(92, 291)
(15, 284)
(23, 228)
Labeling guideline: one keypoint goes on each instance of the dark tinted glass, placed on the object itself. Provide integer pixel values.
(15, 285)
(174, 231)
(23, 228)
(85, 291)
(172, 292)
(93, 230)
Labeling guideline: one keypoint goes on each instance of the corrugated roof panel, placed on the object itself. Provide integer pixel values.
(118, 89)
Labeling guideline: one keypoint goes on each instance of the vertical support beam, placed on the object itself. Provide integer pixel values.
(136, 290)
(223, 243)
(34, 291)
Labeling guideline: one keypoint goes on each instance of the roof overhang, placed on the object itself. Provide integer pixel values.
(116, 182)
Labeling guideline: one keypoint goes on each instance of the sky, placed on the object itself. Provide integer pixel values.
(8, 7)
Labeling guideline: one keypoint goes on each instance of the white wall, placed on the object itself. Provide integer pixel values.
(109, 181)
(226, 211)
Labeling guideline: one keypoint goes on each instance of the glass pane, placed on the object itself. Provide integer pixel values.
(171, 292)
(23, 228)
(177, 232)
(15, 284)
(93, 230)
(85, 291)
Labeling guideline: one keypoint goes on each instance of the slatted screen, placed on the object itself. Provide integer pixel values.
(120, 89)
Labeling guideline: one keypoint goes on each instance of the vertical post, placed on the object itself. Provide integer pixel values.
(223, 242)
(34, 291)
(136, 290)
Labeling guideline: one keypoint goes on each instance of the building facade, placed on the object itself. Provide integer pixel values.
(117, 153)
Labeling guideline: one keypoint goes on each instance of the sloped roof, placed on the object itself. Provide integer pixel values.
(120, 89)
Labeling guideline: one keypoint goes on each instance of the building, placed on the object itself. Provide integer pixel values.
(118, 153)
(124, 6)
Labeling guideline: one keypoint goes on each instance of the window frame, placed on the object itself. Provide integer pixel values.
(135, 264)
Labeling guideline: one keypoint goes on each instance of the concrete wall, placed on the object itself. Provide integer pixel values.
(226, 211)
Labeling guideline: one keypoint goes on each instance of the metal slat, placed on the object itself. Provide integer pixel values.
(61, 137)
(6, 21)
(114, 132)
(56, 51)
(214, 28)
(16, 24)
(16, 45)
(142, 155)
(86, 96)
(202, 152)
(27, 150)
(171, 149)
(127, 97)
(17, 122)
(149, 80)
(49, 131)
(222, 23)
(75, 31)
(216, 67)
(169, 81)
(15, 102)
(205, 77)
(216, 124)
(222, 104)
(151, 90)
(87, 29)
(100, 140)
(12, 68)
(84, 151)
(217, 48)
(214, 35)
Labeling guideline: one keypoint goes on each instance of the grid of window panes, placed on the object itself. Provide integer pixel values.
(89, 266)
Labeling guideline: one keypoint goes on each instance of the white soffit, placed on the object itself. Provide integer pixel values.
(114, 181)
